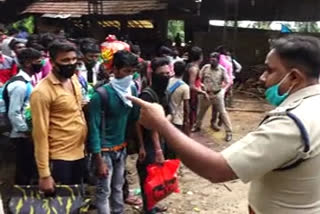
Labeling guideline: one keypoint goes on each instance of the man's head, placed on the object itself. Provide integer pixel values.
(165, 51)
(40, 48)
(124, 64)
(91, 53)
(46, 39)
(179, 68)
(293, 61)
(17, 46)
(136, 50)
(30, 60)
(195, 55)
(214, 59)
(160, 73)
(63, 57)
(160, 65)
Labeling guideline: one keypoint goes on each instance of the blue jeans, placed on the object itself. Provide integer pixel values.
(109, 195)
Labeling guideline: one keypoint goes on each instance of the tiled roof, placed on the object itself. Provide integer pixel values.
(79, 8)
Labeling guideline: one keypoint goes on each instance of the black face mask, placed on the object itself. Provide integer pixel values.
(67, 71)
(160, 83)
(36, 68)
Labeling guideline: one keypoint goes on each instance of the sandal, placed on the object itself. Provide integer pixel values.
(161, 209)
(133, 201)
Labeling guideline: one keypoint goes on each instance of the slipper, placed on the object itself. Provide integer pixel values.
(133, 200)
(161, 209)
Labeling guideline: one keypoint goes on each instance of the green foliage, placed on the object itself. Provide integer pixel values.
(175, 27)
(307, 27)
(28, 23)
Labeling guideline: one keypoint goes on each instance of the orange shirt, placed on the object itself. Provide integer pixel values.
(59, 127)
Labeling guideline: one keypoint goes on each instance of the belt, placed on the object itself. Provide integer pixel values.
(115, 148)
(214, 92)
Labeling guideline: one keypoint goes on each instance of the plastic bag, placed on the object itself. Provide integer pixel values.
(110, 47)
(162, 180)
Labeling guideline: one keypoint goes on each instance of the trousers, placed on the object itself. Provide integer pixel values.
(218, 103)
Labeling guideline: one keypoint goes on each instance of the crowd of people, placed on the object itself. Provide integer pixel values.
(70, 115)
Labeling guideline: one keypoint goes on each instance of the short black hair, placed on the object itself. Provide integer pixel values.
(159, 62)
(215, 55)
(302, 52)
(179, 68)
(58, 47)
(33, 38)
(46, 39)
(14, 42)
(90, 48)
(37, 46)
(123, 59)
(28, 54)
(164, 50)
(135, 49)
(195, 54)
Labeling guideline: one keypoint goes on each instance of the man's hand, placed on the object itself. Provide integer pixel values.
(206, 95)
(142, 154)
(47, 184)
(151, 114)
(102, 168)
(159, 158)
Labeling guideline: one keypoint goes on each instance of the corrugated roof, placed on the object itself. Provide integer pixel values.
(79, 8)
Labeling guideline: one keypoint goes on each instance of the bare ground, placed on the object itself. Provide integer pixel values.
(199, 195)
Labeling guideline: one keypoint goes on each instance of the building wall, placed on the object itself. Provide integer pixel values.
(250, 46)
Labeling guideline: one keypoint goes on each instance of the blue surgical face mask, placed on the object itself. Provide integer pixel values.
(273, 96)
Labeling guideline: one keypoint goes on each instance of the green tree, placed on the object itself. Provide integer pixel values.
(175, 27)
(307, 27)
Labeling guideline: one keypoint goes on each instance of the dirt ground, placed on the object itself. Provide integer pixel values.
(197, 194)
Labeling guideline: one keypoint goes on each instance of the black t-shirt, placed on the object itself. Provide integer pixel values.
(147, 134)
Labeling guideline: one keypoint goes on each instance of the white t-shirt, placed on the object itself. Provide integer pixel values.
(181, 94)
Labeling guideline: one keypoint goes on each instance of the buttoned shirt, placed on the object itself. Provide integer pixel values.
(59, 127)
(213, 79)
(277, 143)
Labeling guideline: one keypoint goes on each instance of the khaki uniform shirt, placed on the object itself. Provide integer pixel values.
(213, 79)
(278, 143)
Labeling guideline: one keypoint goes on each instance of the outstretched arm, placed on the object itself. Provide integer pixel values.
(203, 161)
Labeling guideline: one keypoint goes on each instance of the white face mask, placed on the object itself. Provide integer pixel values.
(123, 88)
(123, 83)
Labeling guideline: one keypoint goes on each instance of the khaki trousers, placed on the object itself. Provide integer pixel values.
(218, 103)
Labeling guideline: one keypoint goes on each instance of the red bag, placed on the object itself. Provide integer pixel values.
(162, 180)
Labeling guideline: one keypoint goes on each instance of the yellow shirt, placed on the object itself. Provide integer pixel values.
(59, 127)
(277, 143)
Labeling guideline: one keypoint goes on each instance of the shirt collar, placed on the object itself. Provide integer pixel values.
(25, 75)
(56, 81)
(53, 79)
(302, 94)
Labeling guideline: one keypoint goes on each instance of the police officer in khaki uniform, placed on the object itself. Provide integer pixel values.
(281, 158)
